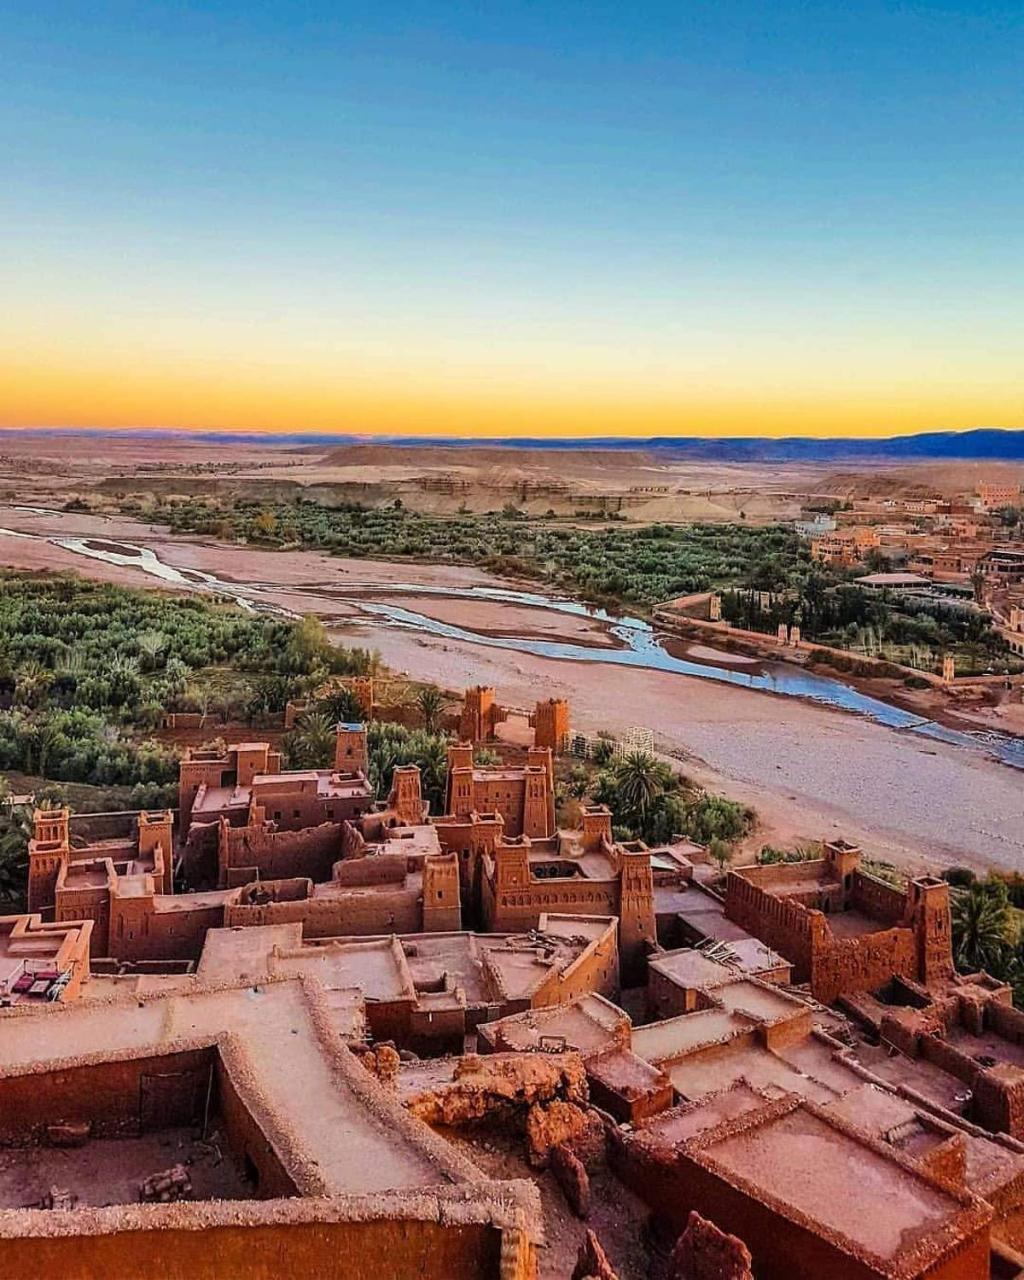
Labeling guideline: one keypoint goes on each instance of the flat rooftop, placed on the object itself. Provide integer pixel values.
(691, 969)
(660, 1042)
(341, 1133)
(825, 1175)
(589, 1024)
(810, 1068)
(758, 1000)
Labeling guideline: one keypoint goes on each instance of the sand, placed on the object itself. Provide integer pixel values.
(809, 771)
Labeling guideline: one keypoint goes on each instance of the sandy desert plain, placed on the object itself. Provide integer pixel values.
(809, 770)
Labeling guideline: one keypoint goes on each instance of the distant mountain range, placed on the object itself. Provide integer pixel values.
(984, 443)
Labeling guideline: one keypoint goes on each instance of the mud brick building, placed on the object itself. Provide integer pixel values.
(523, 795)
(843, 930)
(809, 1193)
(42, 962)
(246, 788)
(304, 1154)
(422, 991)
(583, 871)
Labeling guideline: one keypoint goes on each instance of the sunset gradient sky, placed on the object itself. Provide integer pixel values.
(555, 217)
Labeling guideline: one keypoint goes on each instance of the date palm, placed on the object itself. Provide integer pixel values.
(312, 743)
(432, 704)
(640, 780)
(981, 924)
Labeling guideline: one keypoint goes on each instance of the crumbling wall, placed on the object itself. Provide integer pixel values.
(848, 965)
(277, 855)
(703, 1252)
(592, 1261)
(494, 1083)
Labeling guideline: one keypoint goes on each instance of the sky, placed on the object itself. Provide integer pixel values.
(550, 217)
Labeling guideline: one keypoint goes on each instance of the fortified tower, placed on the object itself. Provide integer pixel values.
(350, 753)
(442, 908)
(539, 800)
(155, 832)
(459, 795)
(551, 724)
(406, 797)
(597, 827)
(363, 692)
(637, 927)
(511, 873)
(843, 860)
(929, 908)
(476, 724)
(47, 852)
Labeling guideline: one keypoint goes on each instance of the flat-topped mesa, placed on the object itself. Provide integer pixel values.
(844, 930)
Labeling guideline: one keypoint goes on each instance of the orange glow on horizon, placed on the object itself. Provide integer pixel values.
(143, 395)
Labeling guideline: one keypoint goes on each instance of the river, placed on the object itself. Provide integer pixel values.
(639, 643)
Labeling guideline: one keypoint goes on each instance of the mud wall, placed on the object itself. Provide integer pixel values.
(849, 965)
(249, 1144)
(140, 932)
(782, 925)
(672, 1184)
(413, 1249)
(880, 901)
(278, 855)
(120, 1099)
(357, 914)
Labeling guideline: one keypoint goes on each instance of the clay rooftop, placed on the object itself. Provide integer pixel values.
(326, 1111)
(589, 1024)
(814, 1169)
(817, 1171)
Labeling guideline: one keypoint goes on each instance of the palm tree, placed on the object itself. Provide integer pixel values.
(341, 707)
(981, 923)
(151, 645)
(15, 832)
(431, 703)
(312, 742)
(32, 681)
(639, 779)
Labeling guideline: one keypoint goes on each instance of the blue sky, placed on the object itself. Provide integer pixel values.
(725, 216)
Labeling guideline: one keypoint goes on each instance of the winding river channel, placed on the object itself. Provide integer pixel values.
(638, 644)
